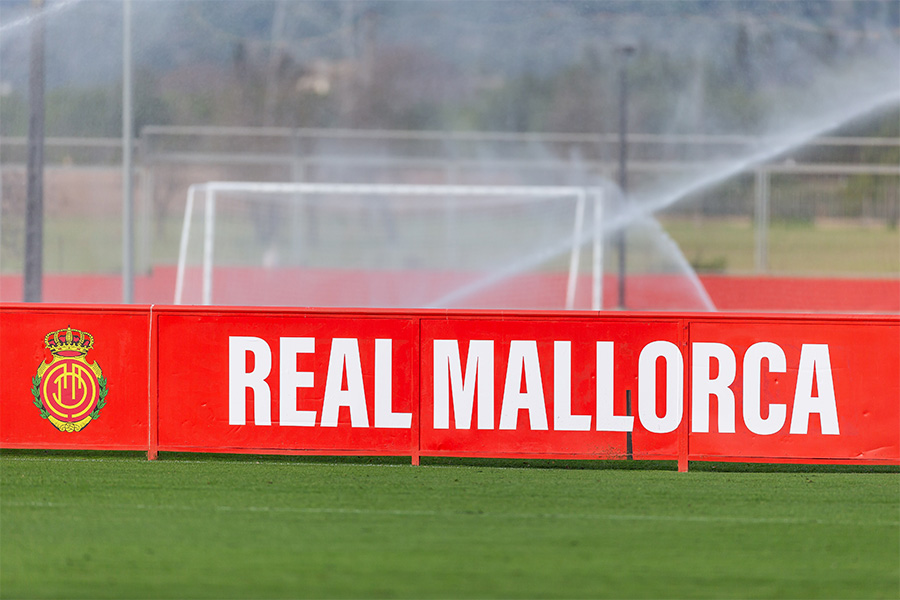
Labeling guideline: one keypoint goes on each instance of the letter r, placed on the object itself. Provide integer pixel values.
(240, 380)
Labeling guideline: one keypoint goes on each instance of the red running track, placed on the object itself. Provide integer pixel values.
(534, 291)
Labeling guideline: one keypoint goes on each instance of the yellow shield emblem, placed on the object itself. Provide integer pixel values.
(69, 391)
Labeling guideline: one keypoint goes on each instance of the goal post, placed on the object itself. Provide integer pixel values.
(583, 230)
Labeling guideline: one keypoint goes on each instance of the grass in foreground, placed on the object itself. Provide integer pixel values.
(89, 525)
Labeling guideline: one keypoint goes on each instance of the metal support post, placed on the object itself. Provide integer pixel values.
(127, 161)
(762, 220)
(34, 208)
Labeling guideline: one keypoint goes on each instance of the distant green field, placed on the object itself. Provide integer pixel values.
(96, 525)
(837, 249)
(840, 249)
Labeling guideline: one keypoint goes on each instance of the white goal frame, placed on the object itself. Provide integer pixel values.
(581, 195)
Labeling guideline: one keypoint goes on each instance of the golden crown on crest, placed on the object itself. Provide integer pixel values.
(69, 340)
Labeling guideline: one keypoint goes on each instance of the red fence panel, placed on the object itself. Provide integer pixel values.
(286, 381)
(749, 388)
(74, 377)
(770, 389)
(551, 386)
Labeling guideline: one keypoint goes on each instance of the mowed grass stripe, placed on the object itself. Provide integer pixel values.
(462, 514)
(208, 528)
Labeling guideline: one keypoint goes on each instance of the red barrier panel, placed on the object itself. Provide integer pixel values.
(557, 386)
(492, 384)
(74, 377)
(769, 389)
(287, 381)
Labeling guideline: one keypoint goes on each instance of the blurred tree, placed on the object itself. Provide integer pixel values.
(90, 111)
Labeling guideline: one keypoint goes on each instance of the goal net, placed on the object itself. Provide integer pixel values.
(391, 246)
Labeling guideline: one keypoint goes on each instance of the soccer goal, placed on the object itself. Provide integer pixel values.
(391, 246)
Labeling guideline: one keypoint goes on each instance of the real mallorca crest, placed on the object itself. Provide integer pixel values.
(68, 390)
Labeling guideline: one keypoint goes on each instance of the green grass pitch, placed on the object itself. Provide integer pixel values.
(107, 525)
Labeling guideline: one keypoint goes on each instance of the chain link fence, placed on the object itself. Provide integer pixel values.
(829, 207)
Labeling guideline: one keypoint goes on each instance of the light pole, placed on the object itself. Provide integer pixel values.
(127, 161)
(34, 208)
(625, 51)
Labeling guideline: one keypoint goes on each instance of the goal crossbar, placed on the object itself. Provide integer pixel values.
(210, 190)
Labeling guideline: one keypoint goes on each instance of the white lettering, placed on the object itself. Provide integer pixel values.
(702, 386)
(714, 370)
(240, 380)
(670, 353)
(291, 380)
(448, 380)
(606, 419)
(815, 364)
(385, 417)
(753, 388)
(523, 359)
(344, 358)
(563, 419)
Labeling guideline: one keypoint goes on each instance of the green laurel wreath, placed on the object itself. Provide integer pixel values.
(36, 392)
(95, 414)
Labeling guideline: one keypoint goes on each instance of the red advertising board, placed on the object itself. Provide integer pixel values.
(286, 381)
(551, 386)
(774, 388)
(752, 388)
(74, 377)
